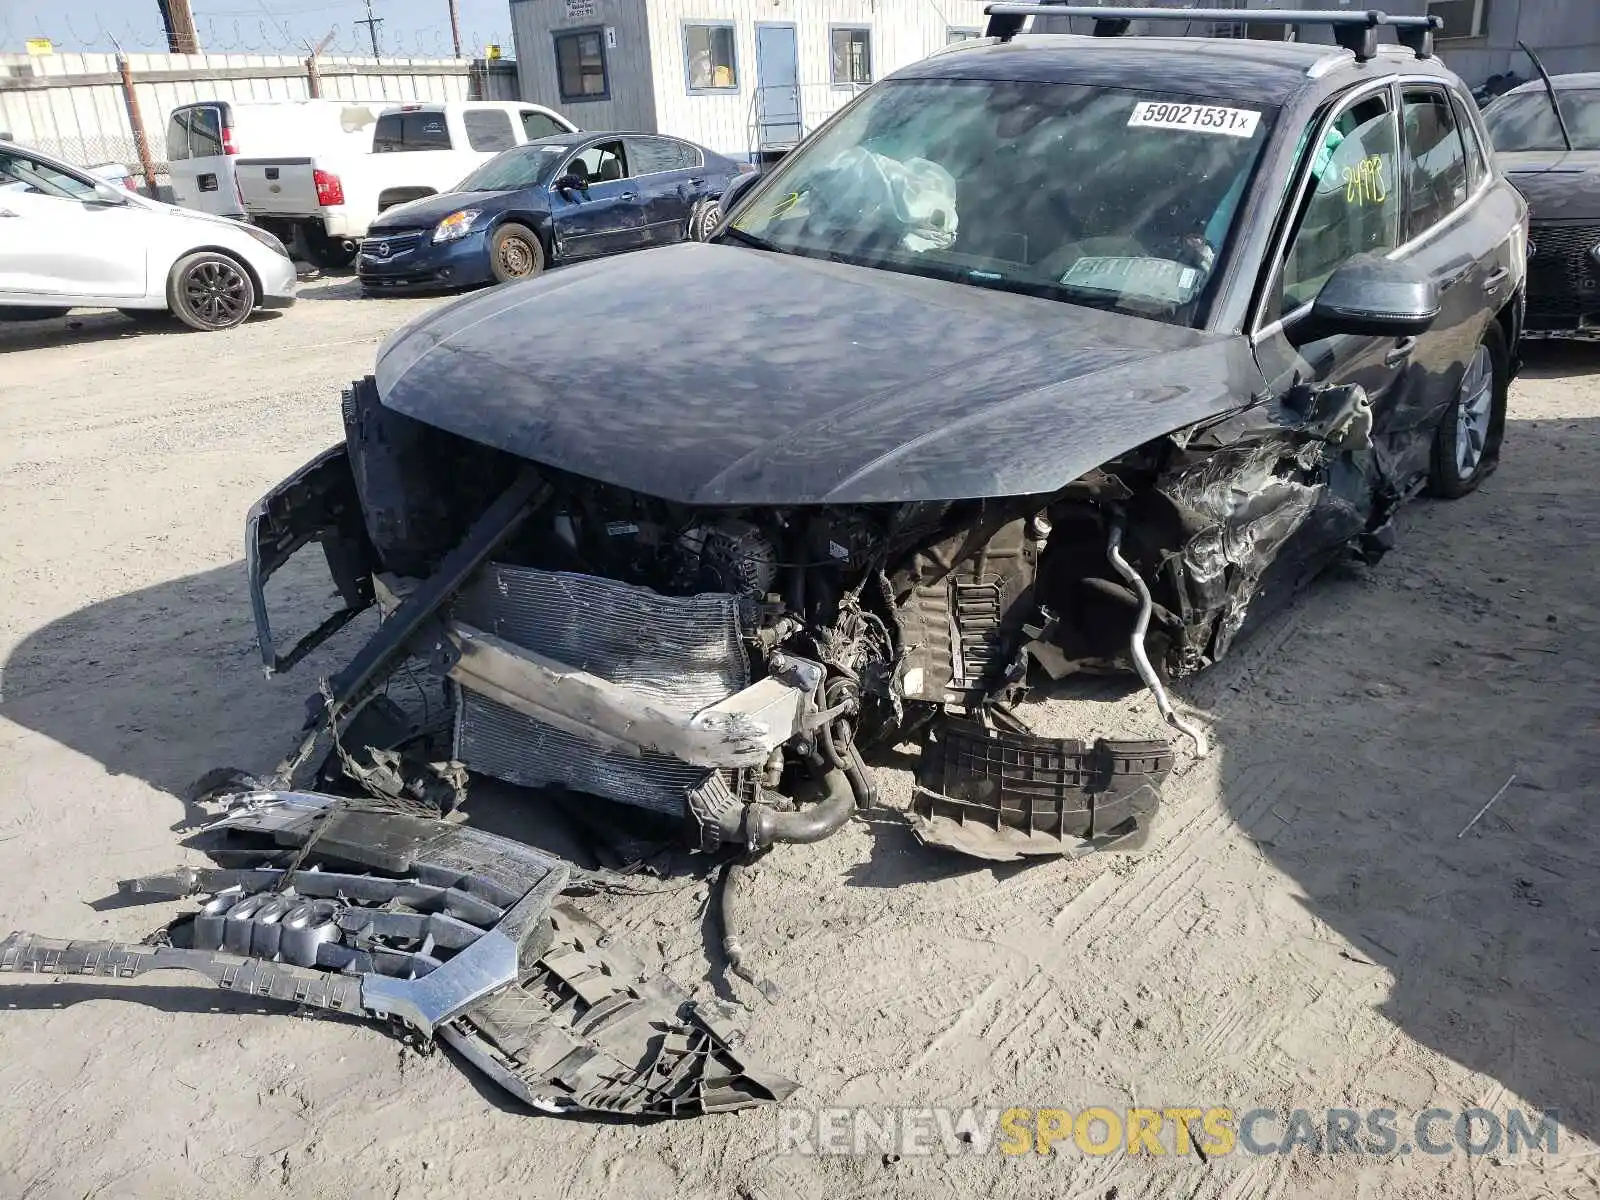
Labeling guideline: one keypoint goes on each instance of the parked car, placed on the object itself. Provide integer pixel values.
(114, 172)
(206, 139)
(71, 240)
(558, 200)
(1554, 160)
(1046, 356)
(327, 201)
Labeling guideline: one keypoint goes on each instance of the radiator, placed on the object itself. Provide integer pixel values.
(685, 652)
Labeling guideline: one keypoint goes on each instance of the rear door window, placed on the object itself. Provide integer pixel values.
(178, 135)
(536, 125)
(488, 129)
(396, 132)
(1436, 179)
(205, 132)
(657, 155)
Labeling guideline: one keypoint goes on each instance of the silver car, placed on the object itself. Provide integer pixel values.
(71, 240)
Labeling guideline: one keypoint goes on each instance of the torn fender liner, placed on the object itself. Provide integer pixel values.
(458, 938)
(1004, 795)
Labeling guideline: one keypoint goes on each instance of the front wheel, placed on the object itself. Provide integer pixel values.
(1466, 444)
(210, 291)
(515, 253)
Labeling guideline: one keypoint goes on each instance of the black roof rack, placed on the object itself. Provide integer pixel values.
(1355, 31)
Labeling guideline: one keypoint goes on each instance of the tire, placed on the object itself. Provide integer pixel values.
(703, 221)
(515, 253)
(210, 291)
(1466, 444)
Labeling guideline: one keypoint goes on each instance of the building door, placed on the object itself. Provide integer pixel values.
(778, 123)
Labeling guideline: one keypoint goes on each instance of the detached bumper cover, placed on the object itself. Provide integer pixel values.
(453, 933)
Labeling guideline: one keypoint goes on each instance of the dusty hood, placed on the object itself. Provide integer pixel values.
(1559, 184)
(723, 375)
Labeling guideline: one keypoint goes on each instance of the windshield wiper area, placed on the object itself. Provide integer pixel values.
(750, 239)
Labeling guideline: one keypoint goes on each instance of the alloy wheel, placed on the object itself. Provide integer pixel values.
(1474, 404)
(217, 293)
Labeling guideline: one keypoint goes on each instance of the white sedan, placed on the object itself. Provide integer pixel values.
(70, 240)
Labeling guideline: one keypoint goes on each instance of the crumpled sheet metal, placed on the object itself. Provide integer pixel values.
(453, 933)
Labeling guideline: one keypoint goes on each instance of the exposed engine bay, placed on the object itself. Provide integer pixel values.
(728, 666)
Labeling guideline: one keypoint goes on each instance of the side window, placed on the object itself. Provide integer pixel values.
(205, 132)
(488, 129)
(30, 175)
(709, 54)
(1477, 159)
(178, 135)
(388, 135)
(689, 157)
(1435, 160)
(653, 155)
(600, 164)
(536, 125)
(851, 54)
(581, 65)
(1353, 204)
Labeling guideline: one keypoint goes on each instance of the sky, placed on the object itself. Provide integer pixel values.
(414, 27)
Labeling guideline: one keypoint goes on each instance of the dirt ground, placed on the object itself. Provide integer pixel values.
(1307, 929)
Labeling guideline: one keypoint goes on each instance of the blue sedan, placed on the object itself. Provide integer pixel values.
(558, 200)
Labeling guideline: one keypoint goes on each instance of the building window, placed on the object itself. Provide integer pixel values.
(952, 36)
(709, 55)
(1462, 18)
(852, 55)
(581, 65)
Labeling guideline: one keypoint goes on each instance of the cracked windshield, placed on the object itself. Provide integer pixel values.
(1117, 199)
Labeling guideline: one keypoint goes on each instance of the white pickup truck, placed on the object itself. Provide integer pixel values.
(321, 205)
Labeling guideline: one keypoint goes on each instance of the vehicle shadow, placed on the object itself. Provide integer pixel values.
(83, 328)
(1555, 359)
(1395, 704)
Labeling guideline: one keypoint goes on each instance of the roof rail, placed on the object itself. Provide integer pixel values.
(1355, 31)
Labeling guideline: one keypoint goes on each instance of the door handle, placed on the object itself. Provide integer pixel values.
(1493, 282)
(627, 195)
(1402, 351)
(6, 212)
(697, 182)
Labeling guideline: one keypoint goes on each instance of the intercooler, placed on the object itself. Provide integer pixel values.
(683, 652)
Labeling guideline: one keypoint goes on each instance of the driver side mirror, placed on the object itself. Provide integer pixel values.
(569, 183)
(106, 193)
(1373, 296)
(738, 186)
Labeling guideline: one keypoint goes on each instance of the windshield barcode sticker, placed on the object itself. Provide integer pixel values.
(1202, 118)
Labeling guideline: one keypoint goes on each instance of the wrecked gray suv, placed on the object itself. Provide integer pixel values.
(1043, 358)
(1023, 366)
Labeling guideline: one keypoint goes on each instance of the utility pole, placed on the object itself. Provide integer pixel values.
(372, 24)
(178, 21)
(455, 27)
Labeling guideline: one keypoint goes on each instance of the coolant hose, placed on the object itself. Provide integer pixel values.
(759, 826)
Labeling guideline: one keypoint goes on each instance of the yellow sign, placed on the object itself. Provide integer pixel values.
(40, 46)
(492, 53)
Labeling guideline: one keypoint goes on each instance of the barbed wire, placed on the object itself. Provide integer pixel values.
(241, 35)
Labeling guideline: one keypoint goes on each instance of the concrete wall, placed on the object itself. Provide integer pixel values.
(630, 104)
(72, 105)
(649, 73)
